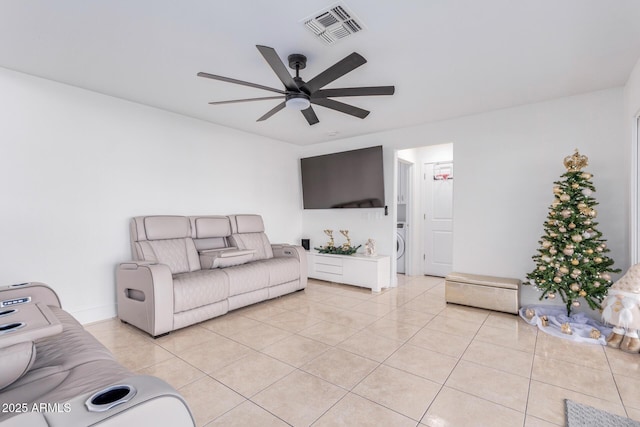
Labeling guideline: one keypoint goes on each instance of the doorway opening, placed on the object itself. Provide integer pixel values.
(426, 216)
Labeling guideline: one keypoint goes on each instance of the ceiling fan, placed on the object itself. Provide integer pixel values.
(299, 95)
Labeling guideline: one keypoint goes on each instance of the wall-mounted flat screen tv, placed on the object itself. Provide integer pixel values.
(349, 179)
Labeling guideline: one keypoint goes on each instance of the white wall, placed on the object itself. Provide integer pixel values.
(506, 162)
(363, 224)
(76, 165)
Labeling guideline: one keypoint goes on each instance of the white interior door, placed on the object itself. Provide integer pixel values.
(438, 218)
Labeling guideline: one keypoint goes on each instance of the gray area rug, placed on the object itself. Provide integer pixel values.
(579, 415)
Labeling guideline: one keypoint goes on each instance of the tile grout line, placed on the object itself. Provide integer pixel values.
(367, 327)
(465, 392)
(533, 360)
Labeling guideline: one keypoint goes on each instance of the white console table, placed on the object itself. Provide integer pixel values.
(366, 271)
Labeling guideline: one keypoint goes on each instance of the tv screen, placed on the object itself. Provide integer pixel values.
(350, 179)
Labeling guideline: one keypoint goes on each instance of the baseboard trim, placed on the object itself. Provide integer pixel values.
(94, 314)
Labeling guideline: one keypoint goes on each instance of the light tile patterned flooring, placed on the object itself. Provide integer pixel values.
(339, 355)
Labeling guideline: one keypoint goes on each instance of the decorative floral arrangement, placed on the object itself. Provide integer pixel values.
(330, 248)
(338, 250)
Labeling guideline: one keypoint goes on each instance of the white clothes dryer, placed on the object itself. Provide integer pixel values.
(400, 247)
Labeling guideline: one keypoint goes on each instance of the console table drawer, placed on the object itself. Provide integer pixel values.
(357, 269)
(328, 268)
(334, 260)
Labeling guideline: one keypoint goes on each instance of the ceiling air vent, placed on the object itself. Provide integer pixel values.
(334, 23)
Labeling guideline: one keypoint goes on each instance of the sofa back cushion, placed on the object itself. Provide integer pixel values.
(210, 232)
(166, 240)
(247, 232)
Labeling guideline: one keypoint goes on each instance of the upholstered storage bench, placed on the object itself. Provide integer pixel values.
(493, 293)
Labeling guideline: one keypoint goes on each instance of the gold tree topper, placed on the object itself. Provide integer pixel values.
(575, 162)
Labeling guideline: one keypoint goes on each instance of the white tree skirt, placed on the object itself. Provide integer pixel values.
(581, 325)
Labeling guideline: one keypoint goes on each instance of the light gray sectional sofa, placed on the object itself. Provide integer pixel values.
(190, 269)
(54, 373)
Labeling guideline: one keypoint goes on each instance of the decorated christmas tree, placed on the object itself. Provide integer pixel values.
(572, 261)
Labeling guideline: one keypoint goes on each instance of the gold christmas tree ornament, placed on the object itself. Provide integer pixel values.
(595, 334)
(565, 328)
(575, 162)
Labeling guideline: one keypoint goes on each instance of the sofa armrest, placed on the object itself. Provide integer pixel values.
(286, 250)
(145, 296)
(283, 250)
(36, 292)
(150, 401)
(225, 257)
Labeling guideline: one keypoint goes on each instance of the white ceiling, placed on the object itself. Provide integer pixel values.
(447, 58)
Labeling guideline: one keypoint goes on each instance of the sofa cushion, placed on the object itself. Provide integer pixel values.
(164, 239)
(15, 361)
(254, 241)
(246, 224)
(281, 270)
(179, 254)
(247, 232)
(164, 227)
(199, 288)
(157, 227)
(246, 278)
(53, 350)
(210, 232)
(211, 226)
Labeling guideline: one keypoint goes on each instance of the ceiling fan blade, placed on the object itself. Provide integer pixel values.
(272, 112)
(233, 101)
(354, 91)
(340, 106)
(278, 67)
(239, 82)
(334, 72)
(310, 115)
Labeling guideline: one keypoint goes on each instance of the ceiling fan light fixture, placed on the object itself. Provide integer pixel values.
(298, 93)
(298, 103)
